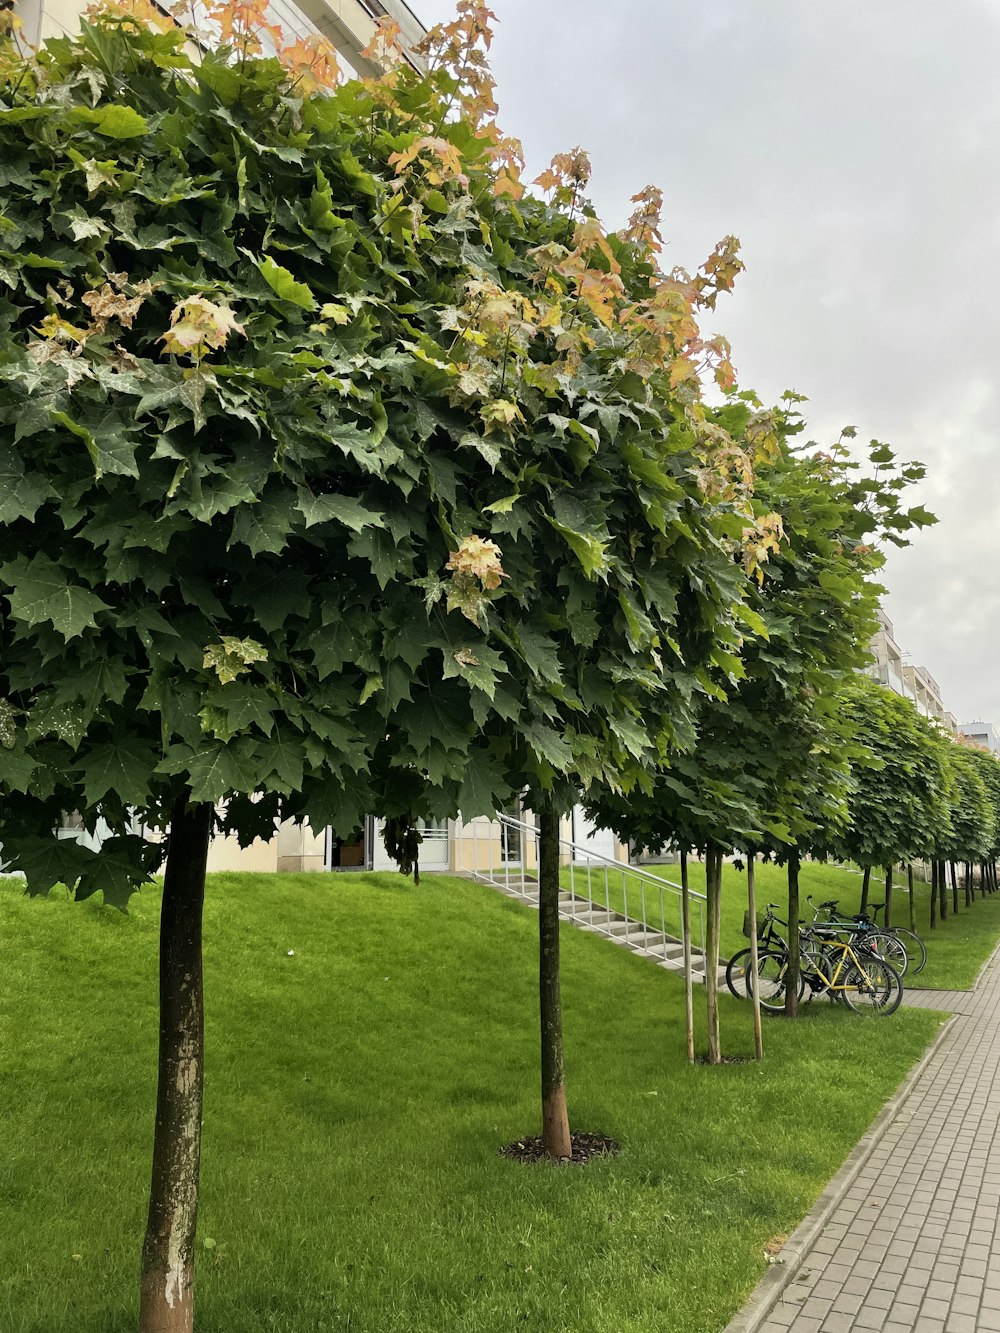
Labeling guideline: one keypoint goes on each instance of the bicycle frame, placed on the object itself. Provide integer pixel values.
(847, 957)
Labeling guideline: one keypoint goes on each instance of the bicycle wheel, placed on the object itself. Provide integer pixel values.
(818, 966)
(888, 947)
(872, 986)
(737, 974)
(916, 950)
(772, 969)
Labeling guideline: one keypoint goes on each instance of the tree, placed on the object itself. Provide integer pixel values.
(971, 829)
(772, 752)
(296, 383)
(898, 805)
(988, 768)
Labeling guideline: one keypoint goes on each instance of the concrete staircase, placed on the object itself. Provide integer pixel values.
(666, 951)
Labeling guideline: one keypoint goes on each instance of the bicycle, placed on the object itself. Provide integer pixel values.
(768, 941)
(861, 980)
(915, 948)
(884, 943)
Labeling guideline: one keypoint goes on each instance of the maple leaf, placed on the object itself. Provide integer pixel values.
(500, 414)
(232, 657)
(312, 62)
(110, 302)
(385, 48)
(445, 164)
(197, 325)
(480, 558)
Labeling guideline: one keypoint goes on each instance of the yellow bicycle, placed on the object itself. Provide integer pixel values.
(857, 977)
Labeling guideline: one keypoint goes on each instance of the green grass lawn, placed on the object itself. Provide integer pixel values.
(356, 1095)
(956, 948)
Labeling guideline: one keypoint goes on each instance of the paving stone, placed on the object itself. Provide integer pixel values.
(913, 1246)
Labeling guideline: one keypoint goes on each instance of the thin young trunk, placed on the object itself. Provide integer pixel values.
(758, 1039)
(888, 896)
(713, 892)
(942, 891)
(954, 888)
(967, 875)
(555, 1119)
(686, 939)
(934, 894)
(792, 979)
(865, 886)
(913, 910)
(167, 1281)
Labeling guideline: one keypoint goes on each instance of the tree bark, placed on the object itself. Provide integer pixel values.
(167, 1281)
(758, 1038)
(792, 983)
(954, 888)
(686, 940)
(555, 1118)
(888, 896)
(713, 891)
(934, 894)
(865, 886)
(913, 910)
(942, 891)
(967, 875)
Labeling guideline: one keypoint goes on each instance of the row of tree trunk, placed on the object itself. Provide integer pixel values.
(167, 1279)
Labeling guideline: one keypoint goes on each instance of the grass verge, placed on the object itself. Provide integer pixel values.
(357, 1094)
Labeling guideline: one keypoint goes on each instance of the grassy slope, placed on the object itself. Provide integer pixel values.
(356, 1096)
(956, 949)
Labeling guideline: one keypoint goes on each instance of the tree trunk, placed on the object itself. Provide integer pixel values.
(954, 888)
(865, 886)
(942, 891)
(758, 1039)
(555, 1119)
(167, 1282)
(913, 910)
(888, 897)
(934, 893)
(686, 939)
(792, 981)
(713, 891)
(968, 883)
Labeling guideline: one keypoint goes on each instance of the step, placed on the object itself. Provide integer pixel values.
(586, 917)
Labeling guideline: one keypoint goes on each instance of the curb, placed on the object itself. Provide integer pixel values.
(780, 1275)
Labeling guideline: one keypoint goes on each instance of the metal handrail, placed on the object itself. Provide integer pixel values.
(648, 921)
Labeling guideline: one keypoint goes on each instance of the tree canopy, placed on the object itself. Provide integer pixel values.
(899, 805)
(296, 383)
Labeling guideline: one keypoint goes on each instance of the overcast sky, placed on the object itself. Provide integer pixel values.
(852, 146)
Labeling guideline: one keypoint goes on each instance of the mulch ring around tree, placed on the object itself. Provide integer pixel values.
(585, 1146)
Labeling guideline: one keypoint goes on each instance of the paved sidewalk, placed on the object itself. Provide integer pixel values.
(914, 1244)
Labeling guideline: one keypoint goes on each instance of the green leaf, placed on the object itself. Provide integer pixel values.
(214, 771)
(381, 551)
(123, 767)
(285, 285)
(344, 508)
(40, 593)
(485, 789)
(20, 494)
(118, 122)
(549, 744)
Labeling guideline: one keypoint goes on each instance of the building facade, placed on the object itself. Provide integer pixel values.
(983, 734)
(349, 25)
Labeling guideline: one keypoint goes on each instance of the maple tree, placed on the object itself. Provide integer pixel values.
(899, 803)
(770, 770)
(970, 831)
(340, 475)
